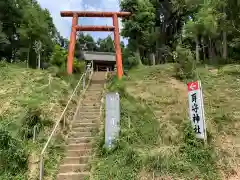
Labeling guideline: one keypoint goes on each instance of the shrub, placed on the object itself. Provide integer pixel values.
(185, 66)
(131, 62)
(33, 118)
(53, 70)
(59, 56)
(13, 157)
(61, 71)
(78, 66)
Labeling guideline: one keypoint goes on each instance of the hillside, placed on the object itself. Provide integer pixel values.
(30, 98)
(156, 141)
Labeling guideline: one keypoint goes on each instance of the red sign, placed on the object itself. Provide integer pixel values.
(192, 86)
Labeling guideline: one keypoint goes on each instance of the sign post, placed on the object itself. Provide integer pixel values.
(112, 121)
(196, 109)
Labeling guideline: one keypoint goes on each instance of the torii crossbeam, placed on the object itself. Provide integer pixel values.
(76, 27)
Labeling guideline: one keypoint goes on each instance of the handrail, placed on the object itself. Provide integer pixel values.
(82, 78)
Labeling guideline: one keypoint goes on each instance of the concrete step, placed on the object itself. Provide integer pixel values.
(83, 129)
(89, 116)
(86, 120)
(73, 168)
(80, 134)
(80, 146)
(92, 104)
(99, 86)
(76, 160)
(84, 123)
(74, 165)
(91, 109)
(93, 94)
(96, 89)
(80, 140)
(92, 100)
(73, 176)
(89, 113)
(77, 153)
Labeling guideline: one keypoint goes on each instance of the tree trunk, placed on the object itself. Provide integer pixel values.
(28, 56)
(157, 59)
(203, 49)
(29, 49)
(210, 50)
(39, 60)
(224, 45)
(137, 52)
(137, 55)
(197, 50)
(214, 49)
(152, 58)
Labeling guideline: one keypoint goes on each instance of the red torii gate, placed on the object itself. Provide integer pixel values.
(76, 27)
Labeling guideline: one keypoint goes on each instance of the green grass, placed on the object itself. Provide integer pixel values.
(124, 161)
(27, 98)
(156, 139)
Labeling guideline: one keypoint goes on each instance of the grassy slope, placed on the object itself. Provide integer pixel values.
(22, 89)
(156, 140)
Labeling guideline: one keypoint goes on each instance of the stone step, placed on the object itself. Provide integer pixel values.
(91, 109)
(83, 129)
(92, 97)
(97, 85)
(92, 104)
(74, 165)
(92, 94)
(81, 112)
(80, 140)
(87, 99)
(80, 134)
(80, 146)
(96, 89)
(76, 160)
(71, 168)
(73, 176)
(84, 123)
(92, 100)
(95, 111)
(77, 153)
(88, 116)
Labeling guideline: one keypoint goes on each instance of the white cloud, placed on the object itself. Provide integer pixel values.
(63, 24)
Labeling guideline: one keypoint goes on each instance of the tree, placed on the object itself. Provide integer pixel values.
(59, 56)
(22, 23)
(139, 25)
(106, 44)
(3, 40)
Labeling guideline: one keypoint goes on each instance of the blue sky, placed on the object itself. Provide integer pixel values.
(64, 24)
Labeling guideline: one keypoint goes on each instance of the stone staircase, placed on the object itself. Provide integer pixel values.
(74, 165)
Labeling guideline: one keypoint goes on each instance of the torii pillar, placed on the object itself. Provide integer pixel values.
(115, 28)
